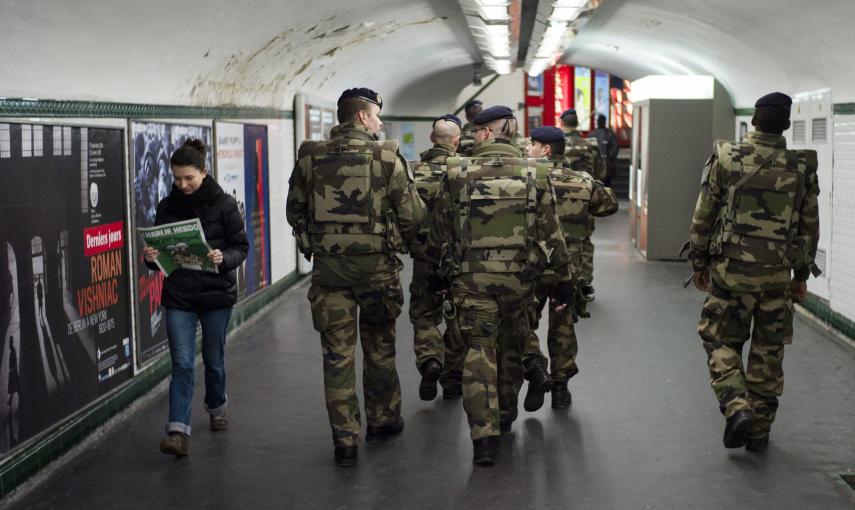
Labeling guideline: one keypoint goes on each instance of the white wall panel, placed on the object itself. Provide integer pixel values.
(282, 246)
(842, 281)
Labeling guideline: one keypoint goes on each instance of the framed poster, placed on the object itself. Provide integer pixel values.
(582, 97)
(152, 144)
(243, 173)
(65, 320)
(601, 96)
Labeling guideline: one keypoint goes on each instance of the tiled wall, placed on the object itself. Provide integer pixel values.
(842, 273)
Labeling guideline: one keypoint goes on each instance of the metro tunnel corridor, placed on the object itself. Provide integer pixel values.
(644, 430)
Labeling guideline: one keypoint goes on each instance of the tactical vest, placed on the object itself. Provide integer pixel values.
(494, 203)
(759, 219)
(349, 207)
(428, 176)
(573, 191)
(579, 154)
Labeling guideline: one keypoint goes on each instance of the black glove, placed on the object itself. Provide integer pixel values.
(437, 284)
(563, 293)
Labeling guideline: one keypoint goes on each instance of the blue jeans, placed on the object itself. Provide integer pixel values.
(181, 330)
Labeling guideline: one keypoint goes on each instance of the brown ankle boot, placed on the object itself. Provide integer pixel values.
(176, 444)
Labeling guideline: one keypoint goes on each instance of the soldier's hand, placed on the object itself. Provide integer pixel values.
(438, 285)
(701, 279)
(150, 253)
(798, 291)
(562, 295)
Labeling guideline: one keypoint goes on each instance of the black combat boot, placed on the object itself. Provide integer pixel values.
(539, 383)
(345, 456)
(452, 392)
(736, 430)
(384, 433)
(430, 370)
(561, 396)
(484, 451)
(757, 444)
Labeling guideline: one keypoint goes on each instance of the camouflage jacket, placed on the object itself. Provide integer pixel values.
(428, 172)
(352, 203)
(584, 154)
(467, 139)
(493, 232)
(580, 198)
(757, 216)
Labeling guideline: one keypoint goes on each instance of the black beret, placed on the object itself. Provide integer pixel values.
(547, 134)
(775, 100)
(361, 93)
(567, 113)
(450, 118)
(493, 113)
(472, 102)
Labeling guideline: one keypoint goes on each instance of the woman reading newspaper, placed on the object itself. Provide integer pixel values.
(191, 296)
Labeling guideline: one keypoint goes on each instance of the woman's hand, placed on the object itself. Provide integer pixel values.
(150, 253)
(215, 256)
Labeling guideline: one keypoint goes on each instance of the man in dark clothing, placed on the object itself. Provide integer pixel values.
(607, 141)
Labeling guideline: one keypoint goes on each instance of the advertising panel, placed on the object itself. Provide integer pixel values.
(601, 96)
(242, 171)
(65, 320)
(152, 144)
(582, 97)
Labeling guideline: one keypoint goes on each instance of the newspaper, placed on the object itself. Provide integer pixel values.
(181, 244)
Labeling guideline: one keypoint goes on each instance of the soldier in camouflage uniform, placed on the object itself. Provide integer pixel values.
(753, 241)
(467, 140)
(438, 356)
(353, 205)
(580, 198)
(584, 155)
(494, 229)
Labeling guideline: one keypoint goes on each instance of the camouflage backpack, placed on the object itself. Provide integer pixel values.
(759, 220)
(584, 156)
(573, 191)
(494, 202)
(428, 176)
(349, 207)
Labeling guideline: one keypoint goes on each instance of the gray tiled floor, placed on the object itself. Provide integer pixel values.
(643, 432)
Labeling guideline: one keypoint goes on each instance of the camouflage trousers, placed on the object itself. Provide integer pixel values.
(428, 343)
(492, 314)
(337, 312)
(725, 326)
(586, 268)
(561, 338)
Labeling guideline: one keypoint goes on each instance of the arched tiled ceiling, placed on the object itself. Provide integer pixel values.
(752, 47)
(260, 52)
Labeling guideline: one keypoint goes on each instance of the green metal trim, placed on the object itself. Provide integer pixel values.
(40, 451)
(844, 109)
(478, 93)
(821, 310)
(743, 111)
(19, 107)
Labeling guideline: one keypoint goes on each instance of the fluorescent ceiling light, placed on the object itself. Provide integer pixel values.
(496, 30)
(565, 13)
(672, 87)
(502, 66)
(555, 30)
(570, 3)
(493, 3)
(493, 12)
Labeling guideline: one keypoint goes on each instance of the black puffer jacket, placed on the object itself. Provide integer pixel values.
(186, 289)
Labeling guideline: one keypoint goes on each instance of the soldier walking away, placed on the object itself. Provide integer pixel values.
(583, 155)
(579, 198)
(608, 145)
(438, 356)
(353, 205)
(752, 246)
(467, 139)
(494, 228)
